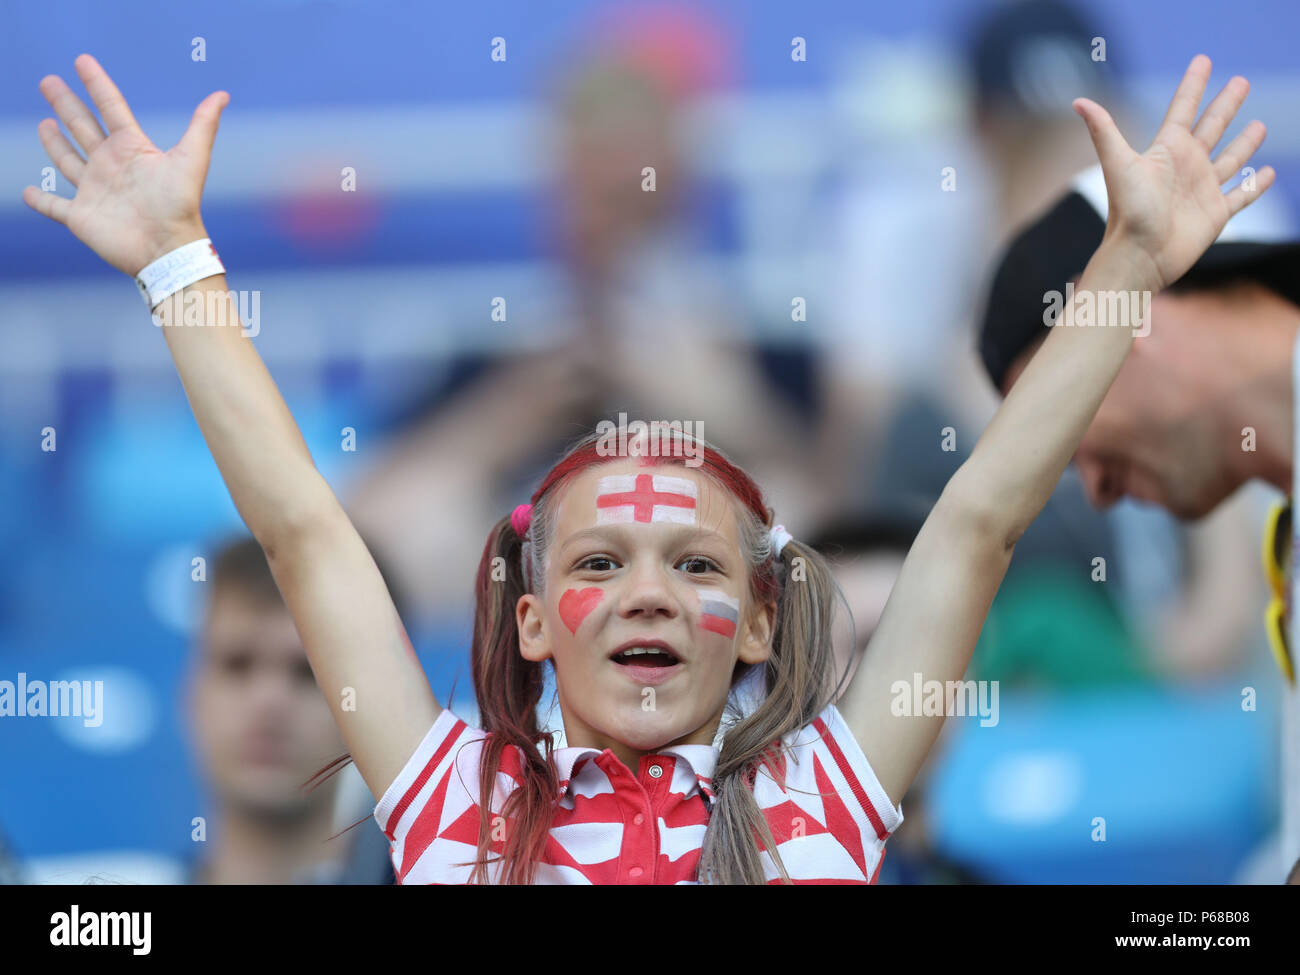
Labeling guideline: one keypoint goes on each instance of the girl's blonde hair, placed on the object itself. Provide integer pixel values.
(797, 681)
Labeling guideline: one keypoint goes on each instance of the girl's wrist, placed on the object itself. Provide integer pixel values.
(177, 269)
(167, 242)
(1124, 263)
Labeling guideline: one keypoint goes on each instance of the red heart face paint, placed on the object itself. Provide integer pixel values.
(575, 604)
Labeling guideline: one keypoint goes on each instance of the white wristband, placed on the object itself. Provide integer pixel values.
(178, 269)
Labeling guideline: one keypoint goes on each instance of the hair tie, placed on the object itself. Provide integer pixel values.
(521, 518)
(779, 537)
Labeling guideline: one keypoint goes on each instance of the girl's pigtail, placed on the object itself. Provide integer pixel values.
(798, 688)
(508, 689)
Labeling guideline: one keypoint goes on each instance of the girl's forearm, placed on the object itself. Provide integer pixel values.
(248, 428)
(1019, 459)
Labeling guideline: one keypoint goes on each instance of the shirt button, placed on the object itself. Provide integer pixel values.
(638, 819)
(635, 872)
(655, 771)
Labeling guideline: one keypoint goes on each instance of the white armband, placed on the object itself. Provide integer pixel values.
(178, 269)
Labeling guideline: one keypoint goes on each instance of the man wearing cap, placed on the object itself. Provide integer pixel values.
(1204, 403)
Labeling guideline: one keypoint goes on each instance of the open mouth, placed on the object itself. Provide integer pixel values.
(645, 657)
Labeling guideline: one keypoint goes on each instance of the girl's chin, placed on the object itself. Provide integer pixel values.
(651, 730)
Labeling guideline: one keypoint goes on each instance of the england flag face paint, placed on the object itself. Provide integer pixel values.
(719, 613)
(626, 498)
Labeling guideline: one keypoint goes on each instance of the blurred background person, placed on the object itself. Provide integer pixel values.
(954, 147)
(954, 151)
(643, 325)
(957, 154)
(273, 808)
(1178, 427)
(262, 732)
(950, 154)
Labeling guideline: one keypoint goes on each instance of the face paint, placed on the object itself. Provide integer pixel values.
(626, 498)
(719, 613)
(575, 604)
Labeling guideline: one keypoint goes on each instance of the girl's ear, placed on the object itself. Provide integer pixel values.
(534, 643)
(760, 627)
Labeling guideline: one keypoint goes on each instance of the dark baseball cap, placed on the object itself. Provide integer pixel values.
(1033, 59)
(1058, 245)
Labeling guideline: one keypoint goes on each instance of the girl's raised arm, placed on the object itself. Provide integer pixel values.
(134, 204)
(1166, 206)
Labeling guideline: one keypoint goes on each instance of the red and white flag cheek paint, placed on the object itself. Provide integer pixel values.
(719, 613)
(576, 604)
(625, 498)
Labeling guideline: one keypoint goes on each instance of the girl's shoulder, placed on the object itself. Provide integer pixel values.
(820, 736)
(828, 729)
(819, 761)
(444, 767)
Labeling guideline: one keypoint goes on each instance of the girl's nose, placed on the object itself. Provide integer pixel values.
(647, 594)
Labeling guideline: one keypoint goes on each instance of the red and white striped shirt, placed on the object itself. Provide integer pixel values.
(830, 821)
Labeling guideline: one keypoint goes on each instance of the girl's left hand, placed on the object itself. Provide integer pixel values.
(1167, 204)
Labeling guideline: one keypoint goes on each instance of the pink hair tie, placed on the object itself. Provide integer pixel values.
(521, 518)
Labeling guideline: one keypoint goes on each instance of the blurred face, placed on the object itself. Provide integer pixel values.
(1157, 436)
(646, 611)
(866, 580)
(605, 149)
(262, 726)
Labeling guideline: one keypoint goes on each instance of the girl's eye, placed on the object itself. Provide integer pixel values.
(700, 564)
(597, 563)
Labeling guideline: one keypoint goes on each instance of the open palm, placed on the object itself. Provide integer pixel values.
(1168, 202)
(133, 201)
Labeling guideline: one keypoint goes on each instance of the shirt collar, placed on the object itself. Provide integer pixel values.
(700, 761)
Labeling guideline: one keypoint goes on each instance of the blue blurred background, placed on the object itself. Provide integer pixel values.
(816, 178)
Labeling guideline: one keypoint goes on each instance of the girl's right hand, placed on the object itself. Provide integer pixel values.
(133, 203)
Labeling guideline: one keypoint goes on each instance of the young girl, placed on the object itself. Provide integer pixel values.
(652, 587)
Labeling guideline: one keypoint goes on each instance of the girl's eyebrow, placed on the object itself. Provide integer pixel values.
(608, 531)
